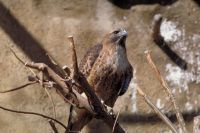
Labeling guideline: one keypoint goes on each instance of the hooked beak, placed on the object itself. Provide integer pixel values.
(122, 32)
(122, 35)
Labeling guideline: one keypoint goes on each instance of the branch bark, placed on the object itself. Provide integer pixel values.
(51, 123)
(168, 90)
(63, 87)
(97, 106)
(157, 111)
(33, 113)
(18, 88)
(92, 103)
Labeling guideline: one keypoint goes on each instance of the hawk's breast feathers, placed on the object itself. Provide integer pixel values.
(108, 72)
(107, 68)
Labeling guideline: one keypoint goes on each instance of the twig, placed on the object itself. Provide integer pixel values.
(75, 69)
(51, 123)
(18, 88)
(21, 61)
(53, 104)
(16, 56)
(165, 85)
(62, 87)
(92, 104)
(80, 78)
(51, 59)
(157, 111)
(115, 121)
(93, 100)
(33, 113)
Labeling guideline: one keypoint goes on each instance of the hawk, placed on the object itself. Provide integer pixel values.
(108, 72)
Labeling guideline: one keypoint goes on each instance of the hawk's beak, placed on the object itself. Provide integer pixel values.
(122, 36)
(123, 33)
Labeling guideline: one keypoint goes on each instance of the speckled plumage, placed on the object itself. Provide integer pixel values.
(107, 70)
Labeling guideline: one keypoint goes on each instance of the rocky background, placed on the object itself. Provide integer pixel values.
(29, 25)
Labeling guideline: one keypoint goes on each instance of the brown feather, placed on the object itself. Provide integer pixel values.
(108, 72)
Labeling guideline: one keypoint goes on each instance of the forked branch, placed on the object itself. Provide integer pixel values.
(64, 89)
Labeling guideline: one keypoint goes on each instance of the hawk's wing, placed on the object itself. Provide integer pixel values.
(78, 117)
(89, 59)
(126, 80)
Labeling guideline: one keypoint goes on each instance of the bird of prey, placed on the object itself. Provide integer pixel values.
(108, 72)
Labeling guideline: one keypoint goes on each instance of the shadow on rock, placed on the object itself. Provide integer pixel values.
(23, 39)
(126, 4)
(197, 1)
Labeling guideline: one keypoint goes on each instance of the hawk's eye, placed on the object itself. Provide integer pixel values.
(116, 32)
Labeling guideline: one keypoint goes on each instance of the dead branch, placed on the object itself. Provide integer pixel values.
(33, 113)
(64, 89)
(18, 88)
(115, 121)
(97, 106)
(51, 99)
(168, 90)
(75, 69)
(51, 123)
(157, 111)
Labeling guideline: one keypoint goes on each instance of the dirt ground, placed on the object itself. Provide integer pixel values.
(31, 25)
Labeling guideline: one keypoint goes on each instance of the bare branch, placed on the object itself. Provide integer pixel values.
(33, 113)
(62, 87)
(16, 56)
(74, 58)
(18, 88)
(53, 126)
(115, 121)
(157, 111)
(21, 61)
(97, 106)
(51, 99)
(171, 95)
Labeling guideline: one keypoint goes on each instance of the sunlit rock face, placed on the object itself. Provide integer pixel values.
(50, 22)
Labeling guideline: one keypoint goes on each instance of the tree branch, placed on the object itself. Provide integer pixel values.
(18, 88)
(166, 87)
(51, 99)
(75, 69)
(97, 106)
(64, 89)
(51, 123)
(33, 113)
(157, 111)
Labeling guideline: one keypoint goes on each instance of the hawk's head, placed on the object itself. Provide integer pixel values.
(117, 37)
